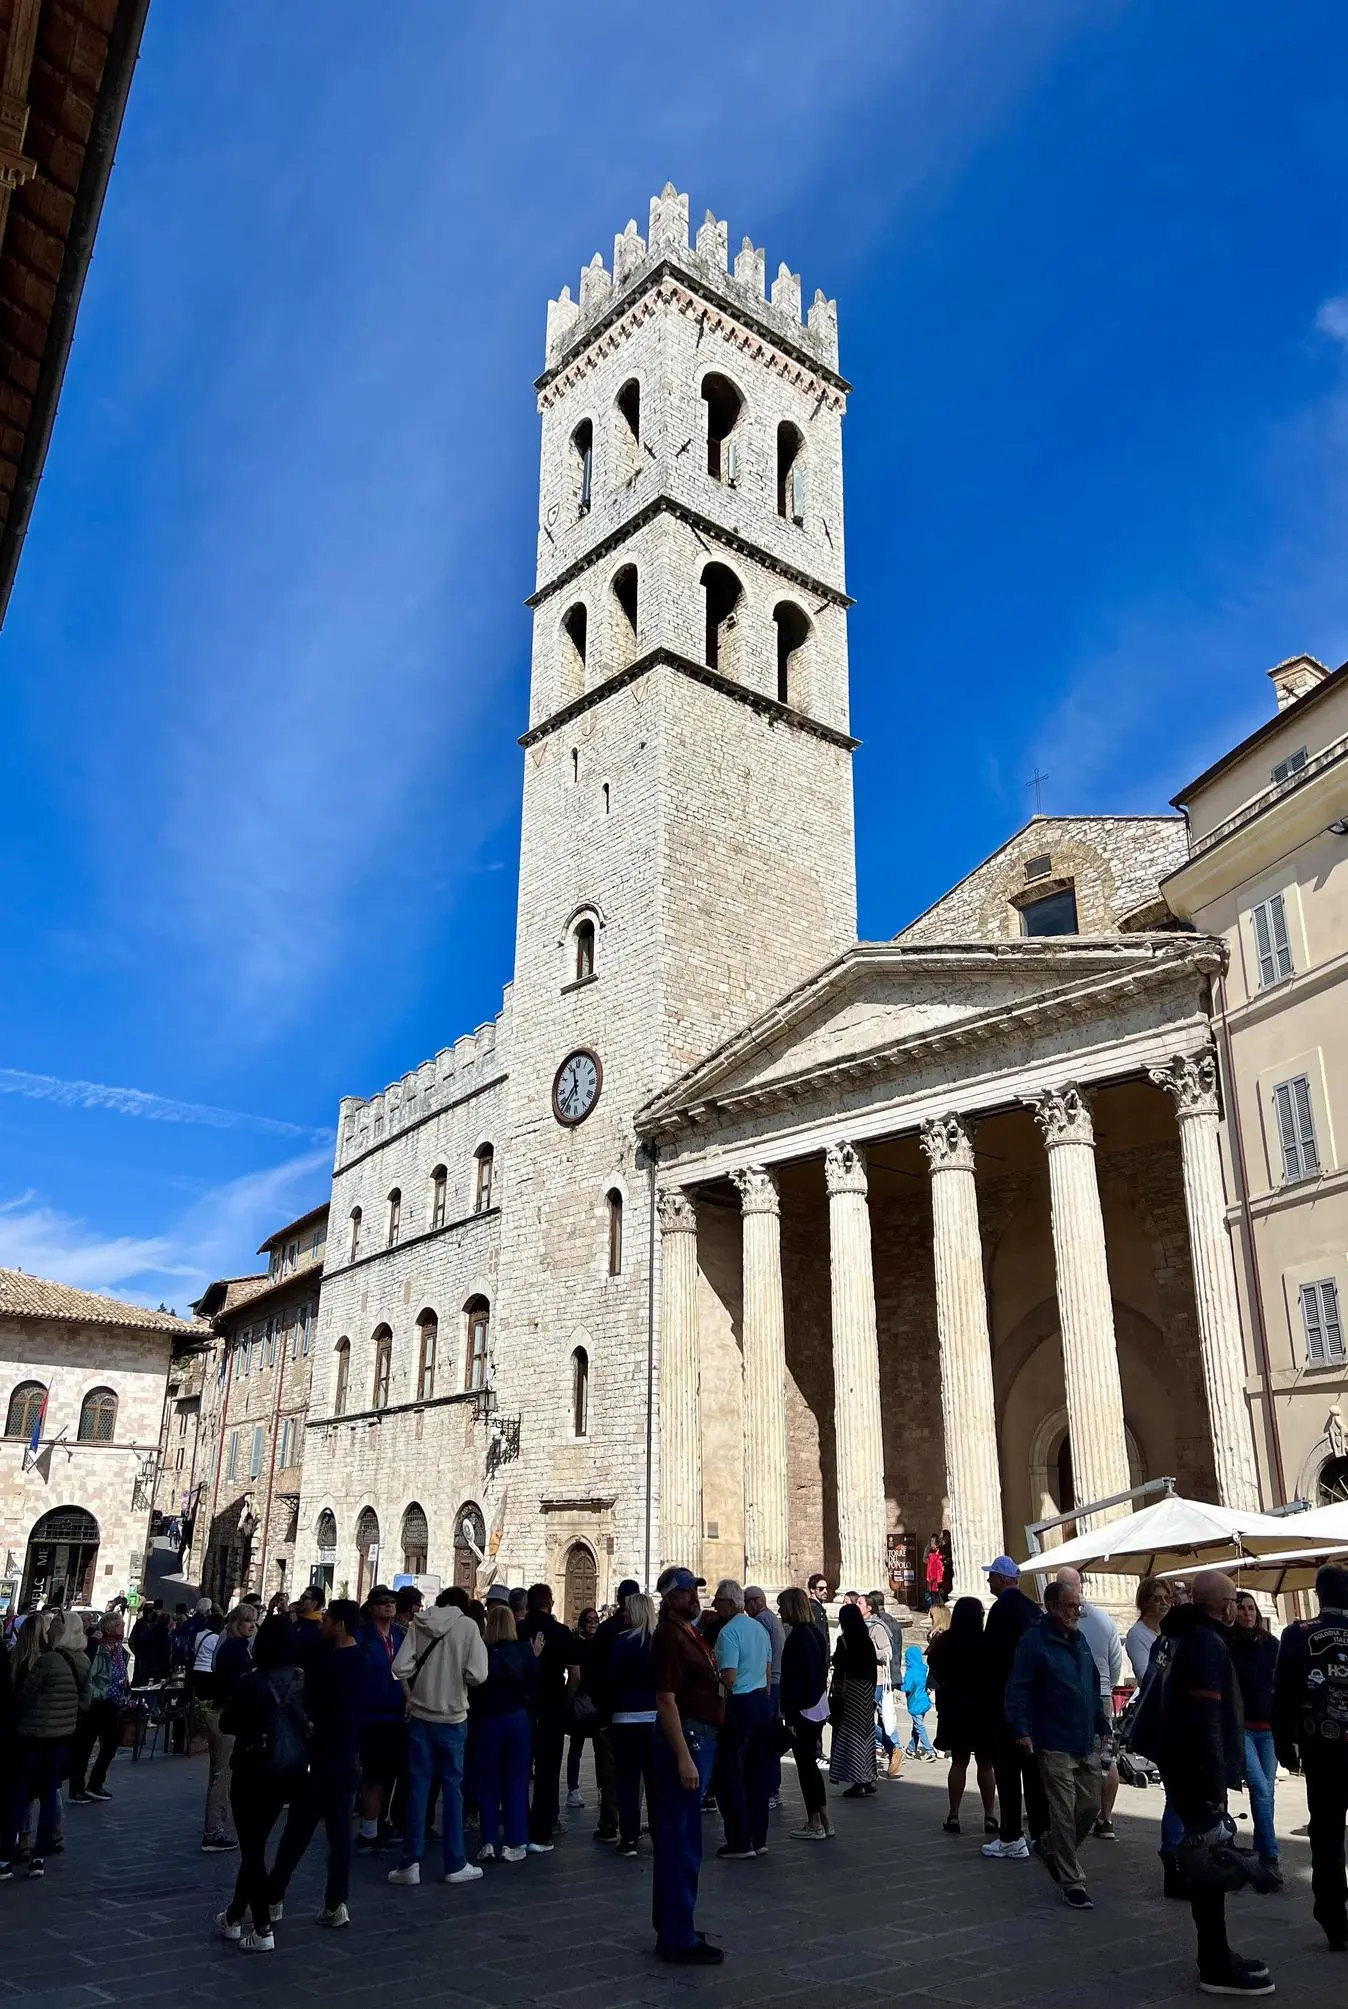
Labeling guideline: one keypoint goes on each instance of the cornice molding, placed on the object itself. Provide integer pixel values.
(758, 701)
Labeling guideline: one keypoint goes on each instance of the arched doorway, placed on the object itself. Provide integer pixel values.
(416, 1540)
(325, 1533)
(61, 1558)
(367, 1553)
(1051, 1471)
(470, 1545)
(581, 1582)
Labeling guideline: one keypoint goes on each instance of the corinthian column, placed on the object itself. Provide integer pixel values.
(680, 1414)
(973, 1474)
(1191, 1080)
(767, 1544)
(858, 1437)
(1085, 1307)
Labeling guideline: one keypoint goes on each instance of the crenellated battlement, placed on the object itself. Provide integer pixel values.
(706, 260)
(476, 1058)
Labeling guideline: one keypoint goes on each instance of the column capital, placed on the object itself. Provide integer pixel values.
(1190, 1079)
(844, 1168)
(757, 1190)
(678, 1215)
(1063, 1115)
(946, 1143)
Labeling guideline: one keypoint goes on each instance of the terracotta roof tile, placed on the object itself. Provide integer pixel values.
(22, 1296)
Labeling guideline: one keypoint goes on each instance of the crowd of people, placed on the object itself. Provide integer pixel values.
(373, 1722)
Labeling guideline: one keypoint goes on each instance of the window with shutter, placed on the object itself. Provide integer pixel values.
(232, 1455)
(255, 1455)
(1296, 1128)
(1285, 769)
(1322, 1322)
(1272, 947)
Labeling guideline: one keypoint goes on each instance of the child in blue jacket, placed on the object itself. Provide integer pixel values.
(918, 1698)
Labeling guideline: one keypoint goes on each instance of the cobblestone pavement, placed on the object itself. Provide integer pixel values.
(892, 1910)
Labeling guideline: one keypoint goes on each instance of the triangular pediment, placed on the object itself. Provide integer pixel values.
(885, 999)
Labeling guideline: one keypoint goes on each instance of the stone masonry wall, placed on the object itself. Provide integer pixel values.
(1116, 864)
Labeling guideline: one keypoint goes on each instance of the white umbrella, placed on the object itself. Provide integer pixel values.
(1321, 1524)
(1173, 1533)
(1293, 1569)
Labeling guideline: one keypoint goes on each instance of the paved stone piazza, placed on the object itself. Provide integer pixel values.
(892, 1910)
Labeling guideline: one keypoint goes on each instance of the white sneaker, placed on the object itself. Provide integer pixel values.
(487, 1853)
(337, 1917)
(538, 1848)
(257, 1942)
(411, 1873)
(513, 1855)
(574, 1798)
(226, 1926)
(468, 1874)
(1017, 1851)
(276, 1912)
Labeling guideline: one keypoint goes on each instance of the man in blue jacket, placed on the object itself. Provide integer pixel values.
(1054, 1710)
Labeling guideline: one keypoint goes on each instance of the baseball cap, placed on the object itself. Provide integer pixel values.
(1002, 1566)
(679, 1579)
(497, 1593)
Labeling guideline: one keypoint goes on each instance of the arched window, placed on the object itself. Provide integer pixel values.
(628, 402)
(416, 1540)
(575, 643)
(477, 1313)
(722, 594)
(485, 1161)
(325, 1530)
(614, 1204)
(439, 1193)
(428, 1327)
(582, 449)
(607, 799)
(98, 1416)
(583, 937)
(383, 1363)
(1332, 1485)
(724, 405)
(355, 1234)
(580, 1393)
(343, 1380)
(470, 1545)
(367, 1551)
(790, 473)
(625, 601)
(793, 630)
(26, 1404)
(395, 1214)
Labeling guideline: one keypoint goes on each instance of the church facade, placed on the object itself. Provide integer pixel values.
(732, 1240)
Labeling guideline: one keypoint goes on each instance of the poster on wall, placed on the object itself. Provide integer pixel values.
(901, 1564)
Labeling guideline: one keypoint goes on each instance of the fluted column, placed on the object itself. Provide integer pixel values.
(1085, 1306)
(767, 1537)
(973, 1471)
(858, 1436)
(1191, 1080)
(680, 1410)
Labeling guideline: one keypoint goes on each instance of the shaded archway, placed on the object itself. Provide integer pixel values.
(61, 1558)
(367, 1553)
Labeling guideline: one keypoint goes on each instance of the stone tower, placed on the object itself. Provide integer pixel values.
(687, 843)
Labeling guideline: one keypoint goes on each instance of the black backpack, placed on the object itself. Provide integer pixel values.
(1138, 1732)
(285, 1741)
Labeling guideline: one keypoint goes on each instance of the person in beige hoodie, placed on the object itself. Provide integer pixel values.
(442, 1656)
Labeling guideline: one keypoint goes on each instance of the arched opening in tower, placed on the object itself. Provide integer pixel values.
(723, 593)
(793, 631)
(790, 473)
(724, 405)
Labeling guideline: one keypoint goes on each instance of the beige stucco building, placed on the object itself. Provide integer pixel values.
(733, 1240)
(83, 1380)
(1267, 876)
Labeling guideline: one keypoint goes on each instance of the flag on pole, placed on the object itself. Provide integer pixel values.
(35, 1437)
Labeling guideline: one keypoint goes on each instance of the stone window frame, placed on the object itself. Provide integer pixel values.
(96, 1405)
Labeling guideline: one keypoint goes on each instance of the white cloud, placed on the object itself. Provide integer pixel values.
(216, 1236)
(1332, 318)
(138, 1102)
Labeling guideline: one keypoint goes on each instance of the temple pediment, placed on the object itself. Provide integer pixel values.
(886, 1002)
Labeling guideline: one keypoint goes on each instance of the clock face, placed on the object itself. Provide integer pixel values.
(575, 1089)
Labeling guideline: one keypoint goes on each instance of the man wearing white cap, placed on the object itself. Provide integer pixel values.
(1012, 1614)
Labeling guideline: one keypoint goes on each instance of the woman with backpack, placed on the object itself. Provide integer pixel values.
(51, 1687)
(270, 1759)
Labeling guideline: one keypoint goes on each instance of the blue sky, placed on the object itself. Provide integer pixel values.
(266, 660)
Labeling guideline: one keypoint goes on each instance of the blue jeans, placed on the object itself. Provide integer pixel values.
(918, 1740)
(676, 1834)
(435, 1757)
(1261, 1769)
(1172, 1828)
(505, 1746)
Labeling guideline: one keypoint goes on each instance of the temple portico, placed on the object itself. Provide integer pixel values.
(946, 1294)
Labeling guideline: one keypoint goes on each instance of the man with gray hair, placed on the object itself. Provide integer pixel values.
(1054, 1710)
(742, 1778)
(1106, 1644)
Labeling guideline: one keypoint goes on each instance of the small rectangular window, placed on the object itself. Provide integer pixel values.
(1055, 914)
(1270, 941)
(1296, 1129)
(255, 1455)
(1040, 867)
(1322, 1323)
(1285, 769)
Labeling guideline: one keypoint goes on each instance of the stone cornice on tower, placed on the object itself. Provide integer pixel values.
(641, 265)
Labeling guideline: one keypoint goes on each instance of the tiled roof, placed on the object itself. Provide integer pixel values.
(23, 1296)
(238, 1290)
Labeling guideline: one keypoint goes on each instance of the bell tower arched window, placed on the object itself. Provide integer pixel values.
(582, 451)
(439, 1193)
(793, 631)
(395, 1215)
(790, 473)
(628, 402)
(613, 1204)
(575, 642)
(485, 1162)
(580, 1393)
(355, 1235)
(625, 612)
(722, 594)
(583, 936)
(724, 405)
